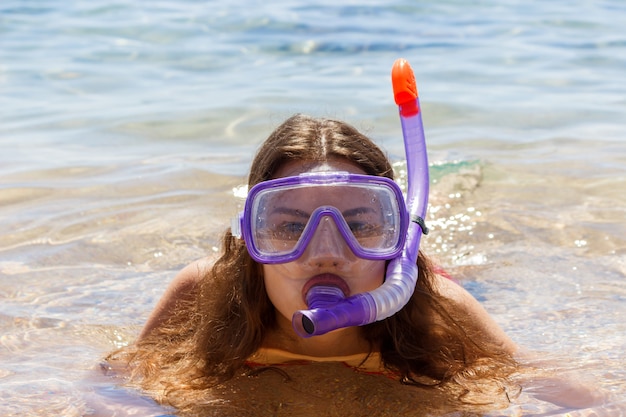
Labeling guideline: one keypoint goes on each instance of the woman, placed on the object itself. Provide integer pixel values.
(220, 318)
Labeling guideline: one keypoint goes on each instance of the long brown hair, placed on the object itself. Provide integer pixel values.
(245, 314)
(209, 339)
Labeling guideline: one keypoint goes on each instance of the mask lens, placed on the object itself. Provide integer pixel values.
(277, 225)
(368, 215)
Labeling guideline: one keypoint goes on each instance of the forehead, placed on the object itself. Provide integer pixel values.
(292, 168)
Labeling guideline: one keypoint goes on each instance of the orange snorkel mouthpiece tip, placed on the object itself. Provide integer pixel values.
(404, 87)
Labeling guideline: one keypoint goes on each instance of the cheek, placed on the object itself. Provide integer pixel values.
(370, 276)
(282, 290)
(278, 275)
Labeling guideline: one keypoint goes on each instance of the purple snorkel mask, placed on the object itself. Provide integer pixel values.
(281, 216)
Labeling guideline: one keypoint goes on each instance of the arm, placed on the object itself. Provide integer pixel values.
(182, 288)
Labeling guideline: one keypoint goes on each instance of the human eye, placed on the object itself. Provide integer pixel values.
(286, 223)
(288, 230)
(364, 229)
(363, 222)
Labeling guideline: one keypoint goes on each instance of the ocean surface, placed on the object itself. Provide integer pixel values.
(126, 126)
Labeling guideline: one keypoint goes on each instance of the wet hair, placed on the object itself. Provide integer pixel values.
(247, 313)
(303, 138)
(210, 337)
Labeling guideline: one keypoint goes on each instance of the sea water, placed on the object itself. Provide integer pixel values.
(125, 127)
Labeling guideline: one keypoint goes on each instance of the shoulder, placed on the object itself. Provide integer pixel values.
(193, 273)
(183, 288)
(187, 279)
(452, 290)
(472, 314)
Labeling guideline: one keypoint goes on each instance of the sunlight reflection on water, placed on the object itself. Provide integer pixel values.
(126, 130)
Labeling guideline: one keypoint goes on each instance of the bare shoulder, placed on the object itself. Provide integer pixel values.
(182, 288)
(186, 280)
(453, 291)
(473, 313)
(191, 274)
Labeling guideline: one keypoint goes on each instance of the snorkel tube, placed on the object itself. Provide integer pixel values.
(329, 309)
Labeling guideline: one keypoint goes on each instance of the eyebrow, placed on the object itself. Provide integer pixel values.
(358, 210)
(299, 213)
(293, 212)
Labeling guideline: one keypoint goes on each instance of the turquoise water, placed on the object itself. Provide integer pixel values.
(125, 126)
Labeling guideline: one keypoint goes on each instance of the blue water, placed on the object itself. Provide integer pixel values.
(124, 127)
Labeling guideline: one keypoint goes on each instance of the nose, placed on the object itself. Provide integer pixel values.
(327, 246)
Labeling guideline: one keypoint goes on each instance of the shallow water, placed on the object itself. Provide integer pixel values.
(124, 129)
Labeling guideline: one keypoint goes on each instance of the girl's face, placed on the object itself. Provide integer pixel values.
(327, 259)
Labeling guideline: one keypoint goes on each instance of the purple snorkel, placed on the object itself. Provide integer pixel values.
(329, 309)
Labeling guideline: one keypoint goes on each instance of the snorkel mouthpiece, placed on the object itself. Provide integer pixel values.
(328, 308)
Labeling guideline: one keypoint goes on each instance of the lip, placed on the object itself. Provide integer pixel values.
(330, 280)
